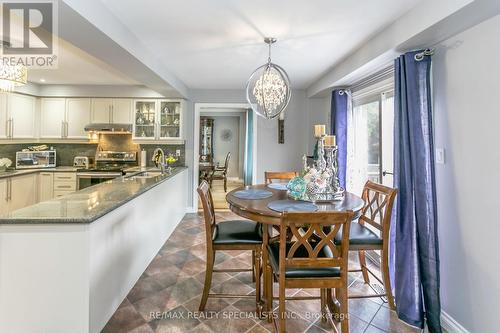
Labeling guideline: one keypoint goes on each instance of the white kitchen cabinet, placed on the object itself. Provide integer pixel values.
(101, 110)
(53, 118)
(20, 122)
(122, 111)
(64, 183)
(77, 117)
(109, 110)
(158, 119)
(45, 186)
(4, 195)
(22, 191)
(4, 123)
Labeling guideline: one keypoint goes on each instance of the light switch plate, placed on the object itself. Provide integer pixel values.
(178, 152)
(440, 158)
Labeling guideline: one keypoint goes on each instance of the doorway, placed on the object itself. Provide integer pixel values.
(223, 132)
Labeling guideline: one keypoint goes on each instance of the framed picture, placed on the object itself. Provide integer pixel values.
(281, 131)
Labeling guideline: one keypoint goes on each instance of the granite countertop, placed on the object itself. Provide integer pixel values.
(19, 172)
(87, 205)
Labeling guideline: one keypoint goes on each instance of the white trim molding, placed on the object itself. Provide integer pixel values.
(217, 107)
(450, 325)
(190, 210)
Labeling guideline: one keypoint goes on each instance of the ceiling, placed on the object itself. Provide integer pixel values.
(78, 67)
(216, 44)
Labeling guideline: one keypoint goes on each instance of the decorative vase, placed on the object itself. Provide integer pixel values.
(296, 188)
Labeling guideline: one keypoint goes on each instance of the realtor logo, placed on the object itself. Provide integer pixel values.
(28, 33)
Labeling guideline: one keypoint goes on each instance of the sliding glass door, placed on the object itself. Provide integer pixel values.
(371, 139)
(387, 138)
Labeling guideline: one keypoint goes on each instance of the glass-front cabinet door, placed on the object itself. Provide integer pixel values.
(145, 119)
(170, 119)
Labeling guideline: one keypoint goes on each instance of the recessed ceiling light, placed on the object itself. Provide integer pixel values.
(42, 80)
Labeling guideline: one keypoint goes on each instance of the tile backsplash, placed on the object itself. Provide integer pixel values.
(67, 151)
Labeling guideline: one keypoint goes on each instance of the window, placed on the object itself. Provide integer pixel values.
(370, 133)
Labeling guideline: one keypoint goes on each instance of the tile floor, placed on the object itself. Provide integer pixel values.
(166, 297)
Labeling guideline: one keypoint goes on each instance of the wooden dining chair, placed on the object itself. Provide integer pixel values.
(281, 176)
(229, 235)
(376, 213)
(220, 173)
(310, 262)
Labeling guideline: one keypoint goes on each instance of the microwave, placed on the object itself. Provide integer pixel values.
(35, 159)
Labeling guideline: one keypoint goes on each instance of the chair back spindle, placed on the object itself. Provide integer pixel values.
(379, 200)
(314, 232)
(208, 211)
(226, 162)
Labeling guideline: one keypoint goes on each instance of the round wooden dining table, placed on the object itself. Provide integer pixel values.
(258, 211)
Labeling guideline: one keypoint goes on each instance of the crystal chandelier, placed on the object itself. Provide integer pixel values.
(12, 76)
(268, 88)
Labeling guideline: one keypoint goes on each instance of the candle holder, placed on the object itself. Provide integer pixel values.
(321, 162)
(322, 181)
(333, 168)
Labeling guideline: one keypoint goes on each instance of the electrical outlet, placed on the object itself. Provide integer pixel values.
(178, 152)
(440, 158)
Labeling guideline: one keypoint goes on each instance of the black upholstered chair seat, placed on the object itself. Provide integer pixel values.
(237, 232)
(274, 254)
(360, 235)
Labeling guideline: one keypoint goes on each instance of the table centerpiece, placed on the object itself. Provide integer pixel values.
(319, 182)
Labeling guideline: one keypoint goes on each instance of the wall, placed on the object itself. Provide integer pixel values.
(466, 69)
(318, 110)
(272, 156)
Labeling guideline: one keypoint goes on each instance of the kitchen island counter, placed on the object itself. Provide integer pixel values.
(87, 205)
(68, 263)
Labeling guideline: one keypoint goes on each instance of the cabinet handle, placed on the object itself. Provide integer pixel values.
(109, 115)
(64, 186)
(113, 114)
(62, 129)
(11, 128)
(9, 190)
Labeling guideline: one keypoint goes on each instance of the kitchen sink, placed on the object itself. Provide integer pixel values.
(148, 174)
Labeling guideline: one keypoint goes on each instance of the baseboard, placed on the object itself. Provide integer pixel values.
(451, 325)
(190, 210)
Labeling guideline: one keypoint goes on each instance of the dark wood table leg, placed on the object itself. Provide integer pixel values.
(266, 229)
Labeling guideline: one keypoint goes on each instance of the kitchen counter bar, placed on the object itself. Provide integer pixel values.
(87, 205)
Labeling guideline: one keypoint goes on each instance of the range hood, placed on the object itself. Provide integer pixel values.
(109, 128)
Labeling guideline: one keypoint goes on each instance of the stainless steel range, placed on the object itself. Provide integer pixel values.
(108, 165)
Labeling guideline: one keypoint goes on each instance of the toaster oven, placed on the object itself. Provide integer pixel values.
(36, 159)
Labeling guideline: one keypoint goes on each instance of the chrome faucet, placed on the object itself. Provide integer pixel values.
(159, 159)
